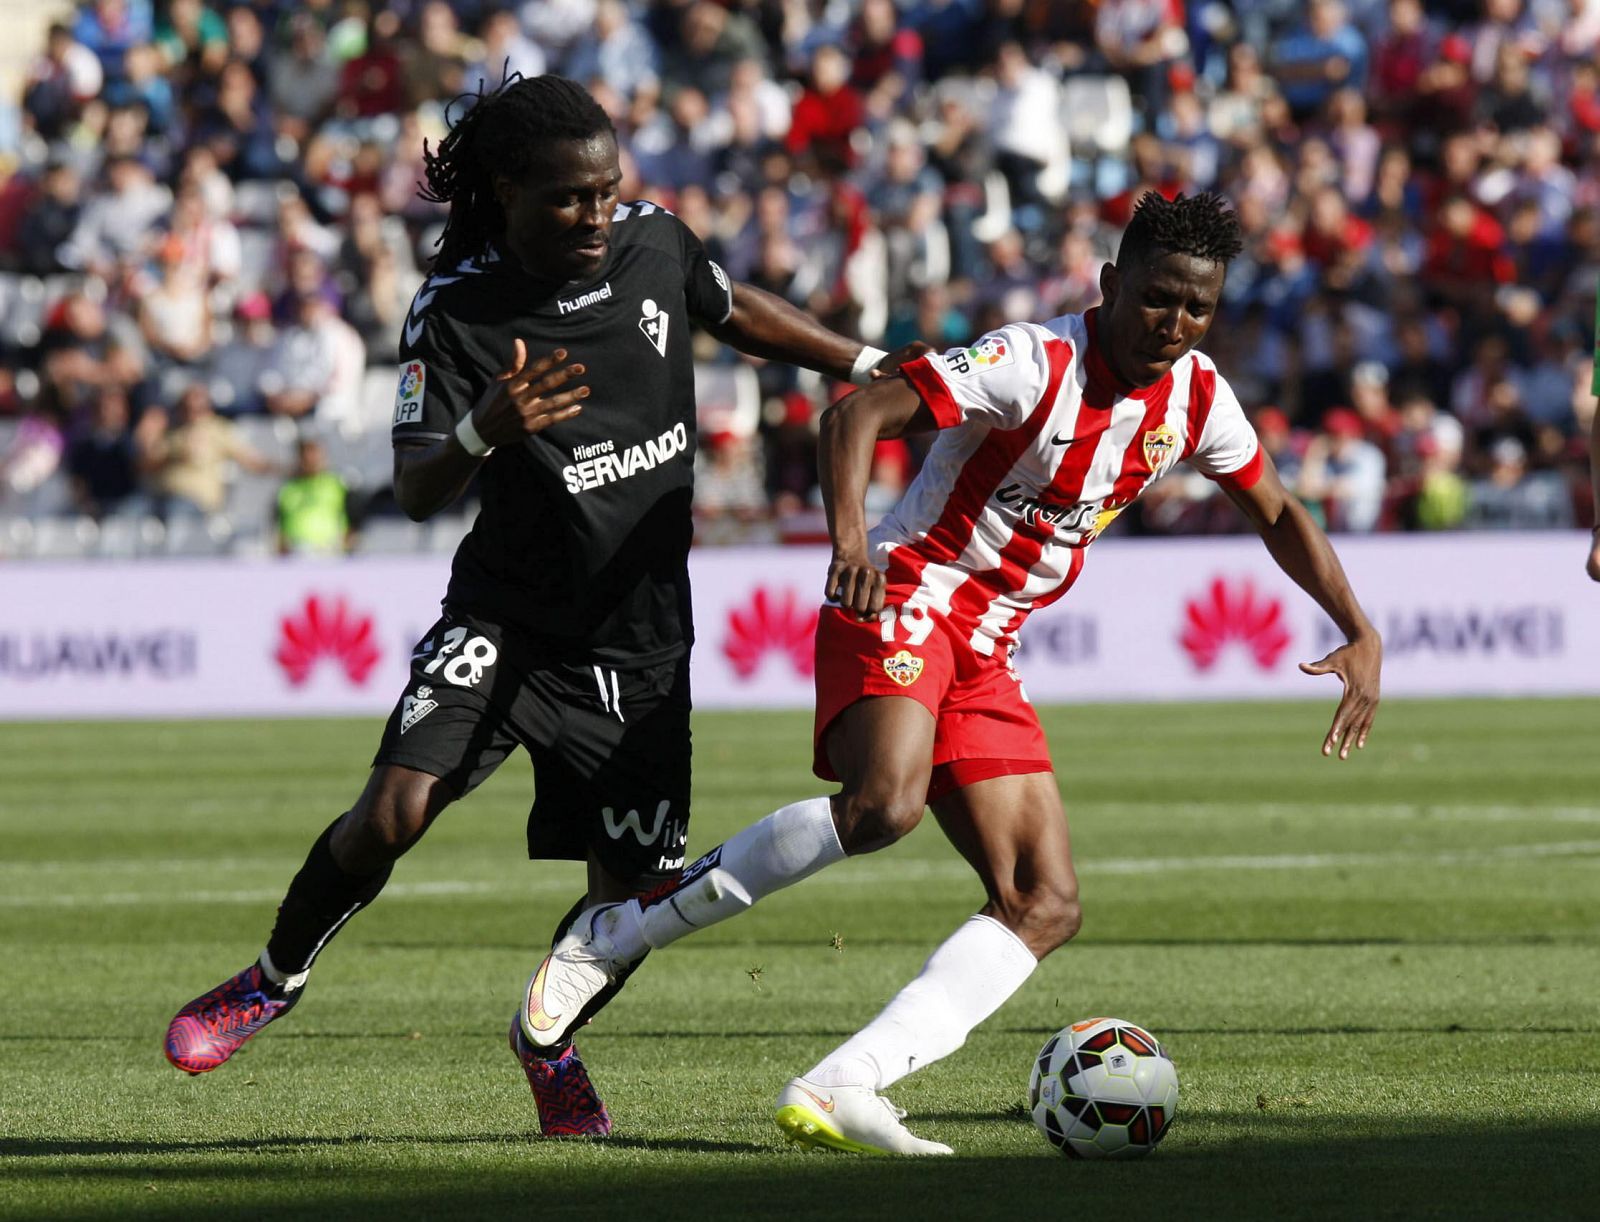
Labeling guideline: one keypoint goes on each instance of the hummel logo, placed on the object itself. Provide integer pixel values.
(421, 302)
(825, 1104)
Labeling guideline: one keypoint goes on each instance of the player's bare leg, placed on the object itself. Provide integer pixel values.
(1014, 833)
(344, 872)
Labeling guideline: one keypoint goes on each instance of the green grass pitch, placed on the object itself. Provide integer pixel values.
(1380, 981)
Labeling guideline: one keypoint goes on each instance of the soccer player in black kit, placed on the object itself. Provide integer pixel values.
(549, 355)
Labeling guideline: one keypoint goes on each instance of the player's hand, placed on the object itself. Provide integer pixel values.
(1357, 665)
(527, 397)
(897, 358)
(1594, 555)
(855, 583)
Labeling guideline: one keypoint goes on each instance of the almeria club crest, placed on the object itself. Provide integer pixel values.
(1231, 611)
(773, 621)
(326, 628)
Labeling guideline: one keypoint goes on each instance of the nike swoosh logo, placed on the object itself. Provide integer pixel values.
(825, 1104)
(1061, 439)
(538, 1019)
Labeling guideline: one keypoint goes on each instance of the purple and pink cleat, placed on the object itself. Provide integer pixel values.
(214, 1026)
(568, 1104)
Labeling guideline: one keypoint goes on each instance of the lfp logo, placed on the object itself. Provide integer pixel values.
(326, 628)
(1233, 612)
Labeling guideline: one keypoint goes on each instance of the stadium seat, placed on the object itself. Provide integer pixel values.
(1097, 112)
(65, 538)
(727, 398)
(389, 537)
(443, 534)
(124, 538)
(198, 536)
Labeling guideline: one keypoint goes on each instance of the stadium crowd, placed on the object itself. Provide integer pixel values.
(210, 233)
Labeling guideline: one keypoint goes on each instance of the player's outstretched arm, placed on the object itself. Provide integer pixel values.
(767, 326)
(1303, 551)
(850, 430)
(524, 398)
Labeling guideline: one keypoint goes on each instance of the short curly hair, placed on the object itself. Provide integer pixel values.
(1200, 225)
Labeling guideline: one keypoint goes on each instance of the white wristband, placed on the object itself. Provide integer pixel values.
(866, 359)
(471, 442)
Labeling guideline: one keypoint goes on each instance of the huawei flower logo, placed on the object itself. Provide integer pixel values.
(771, 621)
(1234, 612)
(326, 628)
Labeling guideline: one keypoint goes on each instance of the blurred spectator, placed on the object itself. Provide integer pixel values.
(33, 456)
(187, 462)
(504, 48)
(1510, 497)
(729, 480)
(303, 83)
(1144, 40)
(828, 112)
(1327, 54)
(238, 372)
(1344, 473)
(50, 221)
(316, 365)
(100, 459)
(618, 51)
(175, 315)
(313, 506)
(1030, 142)
(1418, 185)
(60, 82)
(117, 220)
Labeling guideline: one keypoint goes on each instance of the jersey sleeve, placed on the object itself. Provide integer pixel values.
(1226, 449)
(998, 381)
(431, 394)
(706, 286)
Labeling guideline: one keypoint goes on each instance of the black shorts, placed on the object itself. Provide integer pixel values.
(610, 748)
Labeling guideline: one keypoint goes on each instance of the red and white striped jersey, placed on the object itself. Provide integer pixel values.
(1040, 448)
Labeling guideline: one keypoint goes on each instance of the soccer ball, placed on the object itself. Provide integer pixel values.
(1103, 1088)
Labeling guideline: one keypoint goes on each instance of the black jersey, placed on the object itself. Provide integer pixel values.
(583, 536)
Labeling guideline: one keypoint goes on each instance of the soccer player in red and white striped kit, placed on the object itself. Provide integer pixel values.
(1046, 432)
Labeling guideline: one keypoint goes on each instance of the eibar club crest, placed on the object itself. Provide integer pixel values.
(1160, 444)
(654, 325)
(904, 668)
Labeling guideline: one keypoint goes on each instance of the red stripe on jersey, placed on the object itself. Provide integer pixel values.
(1074, 567)
(1028, 539)
(980, 476)
(1136, 466)
(930, 386)
(1246, 476)
(1202, 394)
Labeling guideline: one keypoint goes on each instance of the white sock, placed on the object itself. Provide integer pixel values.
(964, 981)
(289, 981)
(788, 845)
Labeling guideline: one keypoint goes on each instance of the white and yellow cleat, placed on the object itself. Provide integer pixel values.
(853, 1118)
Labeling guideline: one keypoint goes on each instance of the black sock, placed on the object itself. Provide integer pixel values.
(320, 900)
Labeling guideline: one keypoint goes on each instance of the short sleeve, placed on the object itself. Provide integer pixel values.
(1226, 450)
(998, 381)
(706, 287)
(431, 394)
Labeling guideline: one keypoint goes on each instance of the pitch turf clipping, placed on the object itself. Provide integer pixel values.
(1380, 981)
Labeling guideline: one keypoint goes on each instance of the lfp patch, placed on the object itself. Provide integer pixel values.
(905, 668)
(991, 352)
(408, 396)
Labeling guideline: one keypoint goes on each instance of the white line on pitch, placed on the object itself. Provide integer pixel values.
(889, 870)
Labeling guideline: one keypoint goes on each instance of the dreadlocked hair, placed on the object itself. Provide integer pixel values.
(505, 132)
(1201, 225)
